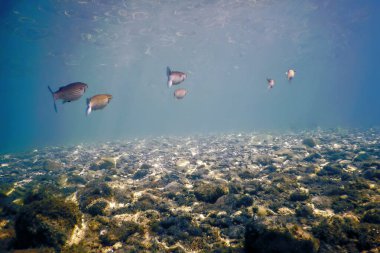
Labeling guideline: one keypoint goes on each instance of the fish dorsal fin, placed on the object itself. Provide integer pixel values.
(168, 71)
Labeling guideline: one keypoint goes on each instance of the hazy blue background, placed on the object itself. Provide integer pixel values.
(228, 48)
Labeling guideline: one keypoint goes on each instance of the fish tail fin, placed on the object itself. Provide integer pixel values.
(54, 98)
(168, 73)
(89, 109)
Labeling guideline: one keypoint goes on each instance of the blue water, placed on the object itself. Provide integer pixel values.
(227, 48)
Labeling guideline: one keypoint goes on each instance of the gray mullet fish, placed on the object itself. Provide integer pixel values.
(68, 93)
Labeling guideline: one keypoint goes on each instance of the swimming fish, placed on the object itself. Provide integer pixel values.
(175, 77)
(97, 102)
(68, 93)
(290, 74)
(180, 93)
(270, 83)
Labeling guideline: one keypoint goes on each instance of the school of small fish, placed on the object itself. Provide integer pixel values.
(75, 91)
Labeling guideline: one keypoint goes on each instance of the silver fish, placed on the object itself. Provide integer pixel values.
(68, 93)
(290, 74)
(97, 102)
(271, 83)
(180, 93)
(175, 77)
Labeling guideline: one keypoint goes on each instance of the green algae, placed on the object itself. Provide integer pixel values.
(271, 238)
(46, 222)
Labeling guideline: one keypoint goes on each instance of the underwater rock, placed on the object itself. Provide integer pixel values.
(321, 202)
(7, 235)
(146, 202)
(330, 170)
(299, 195)
(174, 187)
(119, 232)
(92, 192)
(234, 201)
(309, 142)
(312, 157)
(102, 165)
(247, 174)
(46, 222)
(142, 171)
(372, 174)
(182, 163)
(261, 236)
(244, 201)
(305, 211)
(372, 216)
(76, 179)
(269, 169)
(97, 208)
(264, 160)
(289, 154)
(362, 156)
(261, 211)
(177, 227)
(49, 165)
(285, 211)
(346, 230)
(204, 206)
(209, 192)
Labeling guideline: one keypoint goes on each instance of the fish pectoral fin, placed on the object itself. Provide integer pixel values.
(66, 101)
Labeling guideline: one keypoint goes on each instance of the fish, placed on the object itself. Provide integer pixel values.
(175, 77)
(290, 74)
(271, 83)
(180, 93)
(97, 102)
(68, 93)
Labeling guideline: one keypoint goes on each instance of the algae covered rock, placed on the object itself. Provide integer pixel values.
(94, 192)
(330, 170)
(119, 232)
(97, 208)
(299, 195)
(372, 216)
(210, 192)
(142, 171)
(177, 228)
(304, 211)
(46, 222)
(270, 237)
(103, 164)
(347, 230)
(309, 142)
(50, 165)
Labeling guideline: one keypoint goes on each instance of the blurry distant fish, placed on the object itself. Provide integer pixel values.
(290, 74)
(270, 83)
(97, 102)
(68, 93)
(180, 93)
(175, 77)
